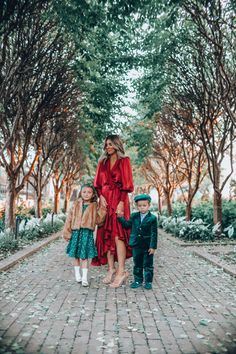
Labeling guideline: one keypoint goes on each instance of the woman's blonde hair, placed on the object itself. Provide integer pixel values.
(117, 144)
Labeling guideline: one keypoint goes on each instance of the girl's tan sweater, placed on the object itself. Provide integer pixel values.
(88, 219)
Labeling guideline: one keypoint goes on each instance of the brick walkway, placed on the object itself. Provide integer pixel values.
(192, 308)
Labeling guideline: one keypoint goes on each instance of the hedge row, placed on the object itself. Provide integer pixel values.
(204, 211)
(34, 229)
(194, 229)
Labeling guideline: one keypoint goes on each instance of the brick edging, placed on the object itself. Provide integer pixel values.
(203, 254)
(12, 260)
(215, 261)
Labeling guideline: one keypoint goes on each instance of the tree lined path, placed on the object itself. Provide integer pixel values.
(162, 74)
(191, 309)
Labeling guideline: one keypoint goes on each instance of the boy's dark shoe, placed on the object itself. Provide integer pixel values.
(135, 285)
(148, 286)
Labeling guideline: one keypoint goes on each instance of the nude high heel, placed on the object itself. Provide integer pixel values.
(119, 281)
(108, 278)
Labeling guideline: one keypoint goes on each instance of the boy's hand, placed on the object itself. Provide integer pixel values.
(151, 251)
(120, 214)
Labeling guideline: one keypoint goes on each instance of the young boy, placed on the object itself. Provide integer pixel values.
(143, 240)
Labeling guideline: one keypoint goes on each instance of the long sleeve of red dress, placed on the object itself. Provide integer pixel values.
(97, 180)
(114, 184)
(127, 178)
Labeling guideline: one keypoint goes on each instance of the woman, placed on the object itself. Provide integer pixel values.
(113, 182)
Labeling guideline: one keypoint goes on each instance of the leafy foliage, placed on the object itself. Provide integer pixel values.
(204, 212)
(187, 230)
(101, 31)
(141, 135)
(39, 228)
(1, 225)
(181, 55)
(7, 241)
(30, 230)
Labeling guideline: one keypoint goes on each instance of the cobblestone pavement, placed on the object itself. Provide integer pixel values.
(191, 309)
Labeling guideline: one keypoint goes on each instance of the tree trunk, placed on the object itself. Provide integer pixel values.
(217, 217)
(38, 196)
(159, 203)
(217, 201)
(10, 210)
(56, 200)
(38, 206)
(168, 202)
(67, 198)
(188, 210)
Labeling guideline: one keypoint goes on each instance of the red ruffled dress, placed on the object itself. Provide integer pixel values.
(114, 184)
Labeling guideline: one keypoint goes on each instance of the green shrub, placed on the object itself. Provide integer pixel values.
(7, 241)
(2, 226)
(153, 208)
(46, 211)
(161, 219)
(61, 217)
(32, 211)
(229, 214)
(33, 229)
(178, 209)
(204, 211)
(195, 230)
(187, 230)
(39, 228)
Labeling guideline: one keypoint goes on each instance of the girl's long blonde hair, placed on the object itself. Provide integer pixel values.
(117, 144)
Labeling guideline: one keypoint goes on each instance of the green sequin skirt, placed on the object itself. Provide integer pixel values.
(81, 245)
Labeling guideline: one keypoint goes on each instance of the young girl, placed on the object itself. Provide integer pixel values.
(78, 230)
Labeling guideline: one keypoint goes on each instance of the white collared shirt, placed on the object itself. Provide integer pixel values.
(142, 216)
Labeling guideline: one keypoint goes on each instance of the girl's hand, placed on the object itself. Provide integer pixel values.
(120, 209)
(103, 202)
(151, 251)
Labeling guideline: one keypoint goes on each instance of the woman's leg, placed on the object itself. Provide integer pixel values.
(121, 275)
(110, 261)
(121, 256)
(111, 268)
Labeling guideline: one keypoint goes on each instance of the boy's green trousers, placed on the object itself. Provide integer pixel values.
(142, 262)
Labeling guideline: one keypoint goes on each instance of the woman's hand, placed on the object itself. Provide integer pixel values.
(120, 209)
(103, 202)
(151, 251)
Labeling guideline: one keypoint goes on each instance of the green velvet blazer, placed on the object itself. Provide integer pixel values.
(143, 234)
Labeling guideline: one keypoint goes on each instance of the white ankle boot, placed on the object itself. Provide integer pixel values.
(84, 277)
(77, 274)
